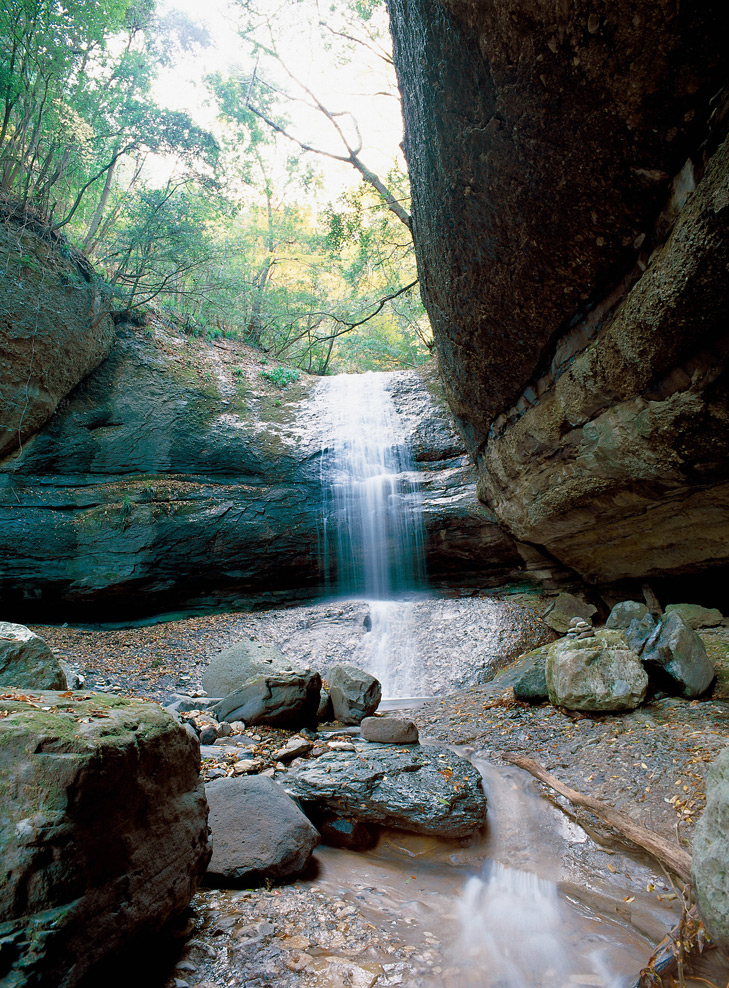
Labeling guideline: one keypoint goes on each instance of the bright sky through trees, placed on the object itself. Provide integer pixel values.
(363, 87)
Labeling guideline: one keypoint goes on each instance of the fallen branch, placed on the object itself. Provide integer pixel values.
(672, 857)
(685, 941)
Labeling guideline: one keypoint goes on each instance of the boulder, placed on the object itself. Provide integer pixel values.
(531, 686)
(423, 789)
(599, 673)
(675, 655)
(566, 607)
(697, 616)
(389, 730)
(258, 832)
(242, 661)
(103, 834)
(295, 747)
(710, 854)
(639, 631)
(26, 661)
(623, 613)
(354, 693)
(288, 700)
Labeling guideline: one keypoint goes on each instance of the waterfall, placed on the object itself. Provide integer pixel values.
(372, 542)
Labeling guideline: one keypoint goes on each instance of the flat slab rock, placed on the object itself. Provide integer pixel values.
(420, 788)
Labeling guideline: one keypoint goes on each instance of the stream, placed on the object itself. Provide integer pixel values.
(533, 901)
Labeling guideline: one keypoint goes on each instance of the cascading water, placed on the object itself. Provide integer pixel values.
(372, 517)
(372, 527)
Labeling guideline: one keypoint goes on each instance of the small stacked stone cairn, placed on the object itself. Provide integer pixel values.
(580, 628)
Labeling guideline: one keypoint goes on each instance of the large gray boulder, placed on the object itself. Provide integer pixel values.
(103, 833)
(598, 673)
(710, 856)
(424, 789)
(697, 616)
(639, 631)
(258, 832)
(242, 661)
(623, 613)
(675, 655)
(354, 694)
(389, 730)
(289, 699)
(27, 661)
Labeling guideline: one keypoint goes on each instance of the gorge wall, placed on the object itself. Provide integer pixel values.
(176, 474)
(570, 205)
(55, 325)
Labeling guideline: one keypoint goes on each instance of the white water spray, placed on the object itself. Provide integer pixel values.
(372, 527)
(516, 934)
(373, 533)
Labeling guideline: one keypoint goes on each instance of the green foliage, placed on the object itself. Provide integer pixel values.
(238, 241)
(281, 376)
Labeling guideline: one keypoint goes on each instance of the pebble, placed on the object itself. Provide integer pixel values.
(293, 748)
(247, 765)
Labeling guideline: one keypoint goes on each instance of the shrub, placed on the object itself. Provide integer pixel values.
(281, 376)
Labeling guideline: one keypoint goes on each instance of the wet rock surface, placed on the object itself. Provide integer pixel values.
(177, 475)
(419, 788)
(434, 643)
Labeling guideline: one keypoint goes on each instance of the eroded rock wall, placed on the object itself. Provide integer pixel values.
(569, 207)
(55, 325)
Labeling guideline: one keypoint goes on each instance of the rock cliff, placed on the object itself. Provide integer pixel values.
(570, 194)
(55, 325)
(176, 474)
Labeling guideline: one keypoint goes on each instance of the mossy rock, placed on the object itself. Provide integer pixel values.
(103, 837)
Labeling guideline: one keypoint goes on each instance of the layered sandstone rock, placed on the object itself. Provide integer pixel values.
(571, 233)
(175, 473)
